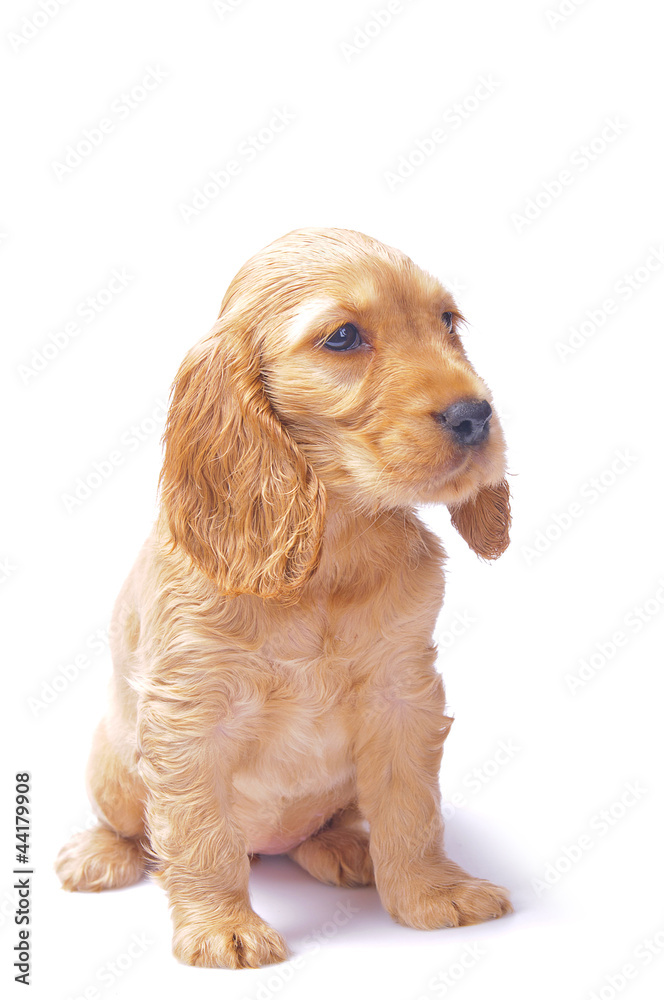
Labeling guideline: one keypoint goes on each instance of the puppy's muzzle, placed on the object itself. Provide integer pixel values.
(467, 421)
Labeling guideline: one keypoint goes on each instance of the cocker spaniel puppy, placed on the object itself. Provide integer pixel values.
(275, 688)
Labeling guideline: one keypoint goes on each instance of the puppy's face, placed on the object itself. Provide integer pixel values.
(367, 371)
(335, 369)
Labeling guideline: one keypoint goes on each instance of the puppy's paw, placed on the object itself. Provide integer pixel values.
(248, 943)
(456, 903)
(99, 859)
(337, 857)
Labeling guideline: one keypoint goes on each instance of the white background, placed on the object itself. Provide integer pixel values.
(567, 583)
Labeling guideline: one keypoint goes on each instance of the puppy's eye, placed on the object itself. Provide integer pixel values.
(448, 320)
(345, 338)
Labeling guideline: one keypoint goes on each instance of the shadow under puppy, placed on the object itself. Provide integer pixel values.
(274, 687)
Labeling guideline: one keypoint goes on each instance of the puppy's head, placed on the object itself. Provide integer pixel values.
(335, 366)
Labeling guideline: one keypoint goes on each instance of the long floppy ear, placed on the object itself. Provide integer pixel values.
(484, 520)
(238, 494)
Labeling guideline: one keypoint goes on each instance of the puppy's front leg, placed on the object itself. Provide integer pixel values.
(401, 731)
(187, 768)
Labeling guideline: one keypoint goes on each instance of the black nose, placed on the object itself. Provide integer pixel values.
(468, 421)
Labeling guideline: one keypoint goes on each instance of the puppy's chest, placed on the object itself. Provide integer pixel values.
(303, 721)
(318, 637)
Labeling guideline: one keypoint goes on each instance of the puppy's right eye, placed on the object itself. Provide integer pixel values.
(346, 338)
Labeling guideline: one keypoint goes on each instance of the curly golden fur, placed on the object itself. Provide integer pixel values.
(274, 687)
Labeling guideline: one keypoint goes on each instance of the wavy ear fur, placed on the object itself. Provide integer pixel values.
(238, 494)
(484, 521)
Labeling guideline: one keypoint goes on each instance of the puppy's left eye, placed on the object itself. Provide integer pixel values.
(448, 320)
(345, 338)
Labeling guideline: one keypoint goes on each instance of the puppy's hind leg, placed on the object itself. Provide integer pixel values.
(99, 859)
(339, 853)
(111, 855)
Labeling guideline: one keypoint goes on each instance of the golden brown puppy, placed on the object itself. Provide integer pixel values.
(274, 687)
